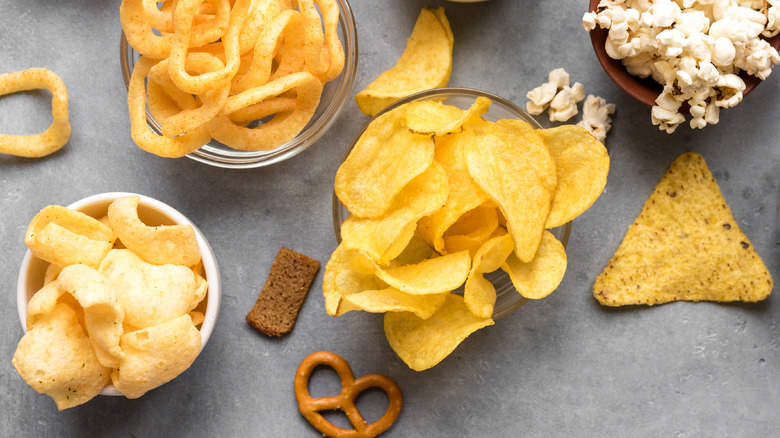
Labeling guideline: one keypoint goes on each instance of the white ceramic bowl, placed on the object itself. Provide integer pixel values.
(152, 212)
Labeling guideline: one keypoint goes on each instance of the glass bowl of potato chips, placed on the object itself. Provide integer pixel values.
(288, 74)
(129, 292)
(507, 297)
(453, 208)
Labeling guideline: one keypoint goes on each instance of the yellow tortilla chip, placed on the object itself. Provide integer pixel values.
(685, 245)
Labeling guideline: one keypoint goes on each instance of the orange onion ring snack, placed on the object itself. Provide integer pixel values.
(51, 140)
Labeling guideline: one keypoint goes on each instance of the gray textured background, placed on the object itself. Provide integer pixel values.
(563, 366)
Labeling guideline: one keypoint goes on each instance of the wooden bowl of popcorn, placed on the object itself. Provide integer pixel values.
(682, 62)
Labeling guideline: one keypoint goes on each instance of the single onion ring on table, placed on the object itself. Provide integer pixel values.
(55, 137)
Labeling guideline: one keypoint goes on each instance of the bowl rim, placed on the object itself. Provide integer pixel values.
(228, 158)
(208, 257)
(646, 90)
(564, 231)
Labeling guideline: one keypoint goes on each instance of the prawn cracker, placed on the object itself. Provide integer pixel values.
(281, 298)
(684, 246)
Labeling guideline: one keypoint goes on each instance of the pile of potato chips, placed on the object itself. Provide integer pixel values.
(248, 74)
(438, 197)
(117, 306)
(425, 63)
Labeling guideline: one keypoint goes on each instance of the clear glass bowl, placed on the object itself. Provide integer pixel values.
(507, 297)
(334, 95)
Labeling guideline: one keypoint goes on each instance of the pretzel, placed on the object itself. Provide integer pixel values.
(350, 388)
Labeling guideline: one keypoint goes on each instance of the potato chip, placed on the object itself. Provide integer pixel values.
(542, 275)
(155, 355)
(516, 170)
(175, 244)
(151, 294)
(422, 343)
(64, 237)
(366, 182)
(465, 193)
(479, 294)
(432, 276)
(58, 133)
(56, 358)
(685, 245)
(582, 165)
(383, 239)
(347, 272)
(393, 300)
(425, 63)
(473, 229)
(428, 117)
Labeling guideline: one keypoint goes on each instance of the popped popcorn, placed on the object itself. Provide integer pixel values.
(561, 99)
(557, 95)
(694, 48)
(596, 116)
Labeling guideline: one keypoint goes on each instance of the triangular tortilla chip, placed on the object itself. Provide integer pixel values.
(685, 245)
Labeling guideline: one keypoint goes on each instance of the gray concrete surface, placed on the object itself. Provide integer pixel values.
(560, 367)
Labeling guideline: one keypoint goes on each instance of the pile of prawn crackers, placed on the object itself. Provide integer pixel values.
(119, 305)
(439, 196)
(684, 246)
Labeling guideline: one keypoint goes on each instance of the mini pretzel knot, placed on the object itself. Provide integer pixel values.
(345, 401)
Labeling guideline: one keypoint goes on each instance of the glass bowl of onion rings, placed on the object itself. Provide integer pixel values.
(335, 88)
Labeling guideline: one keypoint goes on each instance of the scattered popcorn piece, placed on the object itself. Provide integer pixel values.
(694, 48)
(596, 116)
(540, 98)
(564, 104)
(557, 95)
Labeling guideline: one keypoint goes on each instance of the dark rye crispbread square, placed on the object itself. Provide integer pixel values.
(281, 298)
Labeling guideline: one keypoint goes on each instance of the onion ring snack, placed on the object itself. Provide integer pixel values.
(57, 134)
